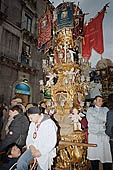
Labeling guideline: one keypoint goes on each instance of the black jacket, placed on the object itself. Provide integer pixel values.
(109, 124)
(18, 127)
(9, 162)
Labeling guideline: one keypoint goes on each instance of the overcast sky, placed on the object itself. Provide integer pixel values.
(93, 7)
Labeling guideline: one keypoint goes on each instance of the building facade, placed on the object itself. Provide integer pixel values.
(20, 61)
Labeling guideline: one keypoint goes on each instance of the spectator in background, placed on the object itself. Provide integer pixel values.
(14, 101)
(28, 106)
(4, 120)
(18, 101)
(3, 110)
(17, 131)
(96, 117)
(1, 118)
(42, 106)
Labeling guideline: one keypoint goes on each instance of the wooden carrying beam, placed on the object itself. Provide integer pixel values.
(63, 144)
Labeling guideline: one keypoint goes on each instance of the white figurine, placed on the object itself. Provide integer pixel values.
(76, 119)
(50, 81)
(72, 54)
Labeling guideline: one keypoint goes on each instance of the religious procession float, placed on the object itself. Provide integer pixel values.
(67, 43)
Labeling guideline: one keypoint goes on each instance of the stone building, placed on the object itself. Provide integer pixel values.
(20, 61)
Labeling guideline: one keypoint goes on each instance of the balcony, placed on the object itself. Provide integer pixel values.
(29, 37)
(12, 58)
(14, 55)
(3, 11)
(24, 59)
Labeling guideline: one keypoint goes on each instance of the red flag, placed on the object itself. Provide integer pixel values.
(93, 36)
(44, 29)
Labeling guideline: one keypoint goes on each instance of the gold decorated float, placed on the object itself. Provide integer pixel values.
(66, 86)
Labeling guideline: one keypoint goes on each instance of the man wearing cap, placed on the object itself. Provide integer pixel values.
(96, 117)
(41, 141)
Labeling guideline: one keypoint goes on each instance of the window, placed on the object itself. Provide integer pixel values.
(27, 22)
(25, 54)
(9, 44)
(26, 49)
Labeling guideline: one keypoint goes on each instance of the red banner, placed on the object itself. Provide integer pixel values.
(48, 45)
(78, 19)
(93, 36)
(78, 26)
(44, 29)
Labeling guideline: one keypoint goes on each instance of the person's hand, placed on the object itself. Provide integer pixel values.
(35, 152)
(32, 148)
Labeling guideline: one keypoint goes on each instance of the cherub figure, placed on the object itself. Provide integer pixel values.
(76, 119)
(72, 74)
(50, 81)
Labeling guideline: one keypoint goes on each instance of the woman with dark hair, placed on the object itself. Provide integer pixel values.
(42, 106)
(17, 131)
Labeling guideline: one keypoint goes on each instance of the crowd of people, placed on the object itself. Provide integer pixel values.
(27, 126)
(32, 128)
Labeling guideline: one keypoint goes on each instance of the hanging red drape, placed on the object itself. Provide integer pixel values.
(44, 28)
(93, 36)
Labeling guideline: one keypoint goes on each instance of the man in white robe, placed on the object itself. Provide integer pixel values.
(41, 141)
(96, 117)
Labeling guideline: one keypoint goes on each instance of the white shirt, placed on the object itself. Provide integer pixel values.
(96, 134)
(45, 142)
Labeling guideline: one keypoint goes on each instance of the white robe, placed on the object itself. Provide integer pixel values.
(45, 142)
(96, 134)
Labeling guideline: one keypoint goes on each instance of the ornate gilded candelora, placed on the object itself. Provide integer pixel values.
(67, 84)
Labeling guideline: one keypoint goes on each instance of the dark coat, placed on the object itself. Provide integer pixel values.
(18, 127)
(109, 124)
(9, 162)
